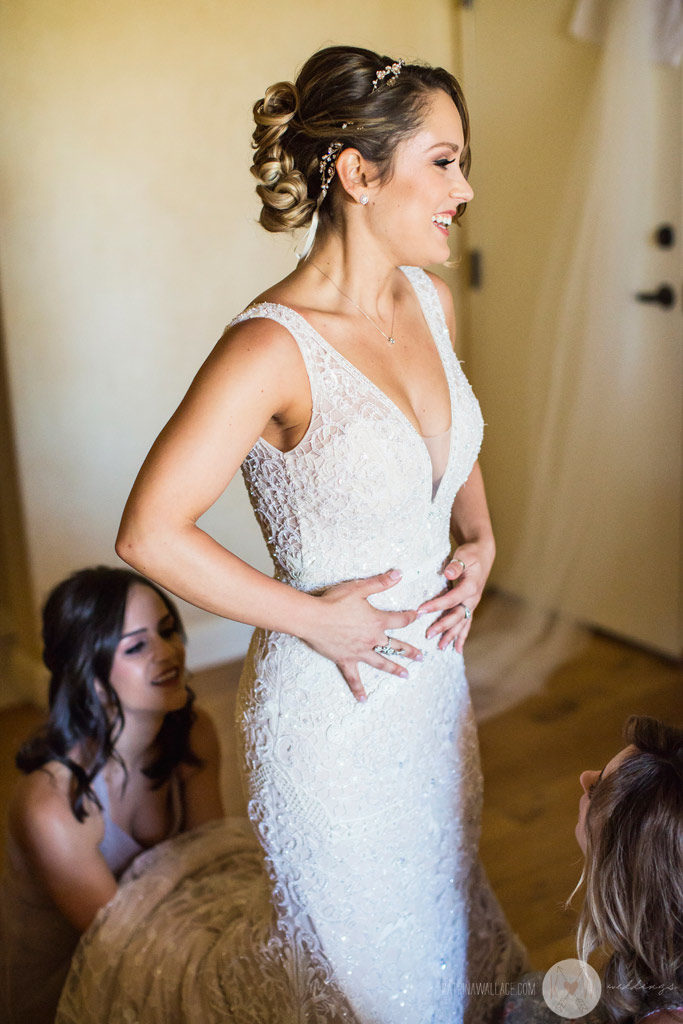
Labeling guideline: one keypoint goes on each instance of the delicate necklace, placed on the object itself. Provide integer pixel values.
(387, 337)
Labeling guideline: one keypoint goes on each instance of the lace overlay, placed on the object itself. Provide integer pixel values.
(368, 814)
(365, 902)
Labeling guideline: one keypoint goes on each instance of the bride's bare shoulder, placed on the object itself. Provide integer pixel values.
(260, 336)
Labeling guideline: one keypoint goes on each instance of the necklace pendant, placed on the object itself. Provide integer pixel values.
(392, 341)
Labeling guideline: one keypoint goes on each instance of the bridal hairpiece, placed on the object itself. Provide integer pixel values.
(391, 69)
(328, 161)
(327, 165)
(327, 168)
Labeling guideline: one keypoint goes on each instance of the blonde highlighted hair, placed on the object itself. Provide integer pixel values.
(633, 874)
(333, 101)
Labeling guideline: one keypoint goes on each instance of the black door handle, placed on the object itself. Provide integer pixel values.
(664, 296)
(665, 236)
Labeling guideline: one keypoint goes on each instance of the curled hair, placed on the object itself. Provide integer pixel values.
(331, 101)
(633, 905)
(82, 625)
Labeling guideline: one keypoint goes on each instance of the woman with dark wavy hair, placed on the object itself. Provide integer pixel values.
(122, 762)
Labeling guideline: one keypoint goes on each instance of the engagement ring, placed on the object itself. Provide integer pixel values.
(387, 649)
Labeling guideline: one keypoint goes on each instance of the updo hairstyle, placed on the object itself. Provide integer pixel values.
(333, 100)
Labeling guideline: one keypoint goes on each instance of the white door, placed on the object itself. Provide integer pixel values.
(528, 84)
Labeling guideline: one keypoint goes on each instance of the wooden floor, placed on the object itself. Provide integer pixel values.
(531, 755)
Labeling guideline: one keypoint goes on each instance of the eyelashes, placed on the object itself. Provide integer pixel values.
(165, 633)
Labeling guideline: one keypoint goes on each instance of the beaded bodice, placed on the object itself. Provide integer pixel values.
(325, 775)
(354, 497)
(372, 908)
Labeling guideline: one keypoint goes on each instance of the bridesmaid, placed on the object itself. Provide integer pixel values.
(122, 762)
(630, 830)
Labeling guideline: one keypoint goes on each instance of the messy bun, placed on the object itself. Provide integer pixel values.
(333, 101)
(282, 187)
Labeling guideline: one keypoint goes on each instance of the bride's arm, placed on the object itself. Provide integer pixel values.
(246, 382)
(253, 381)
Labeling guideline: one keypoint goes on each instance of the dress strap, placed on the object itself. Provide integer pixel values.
(177, 808)
(117, 847)
(431, 307)
(312, 349)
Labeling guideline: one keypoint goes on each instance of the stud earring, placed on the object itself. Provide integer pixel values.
(364, 200)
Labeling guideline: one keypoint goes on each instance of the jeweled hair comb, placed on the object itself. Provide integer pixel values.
(391, 69)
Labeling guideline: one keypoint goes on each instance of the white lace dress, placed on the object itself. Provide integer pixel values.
(375, 909)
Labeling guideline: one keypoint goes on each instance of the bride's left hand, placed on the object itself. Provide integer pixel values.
(466, 586)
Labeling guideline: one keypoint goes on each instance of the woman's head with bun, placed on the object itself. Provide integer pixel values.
(333, 101)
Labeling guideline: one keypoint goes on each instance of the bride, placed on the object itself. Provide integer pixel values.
(338, 394)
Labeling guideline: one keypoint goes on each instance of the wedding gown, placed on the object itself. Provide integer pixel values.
(372, 908)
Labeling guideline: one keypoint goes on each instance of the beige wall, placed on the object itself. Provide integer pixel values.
(546, 162)
(18, 640)
(527, 82)
(129, 235)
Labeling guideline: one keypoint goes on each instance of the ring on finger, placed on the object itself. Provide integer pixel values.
(468, 611)
(387, 649)
(460, 563)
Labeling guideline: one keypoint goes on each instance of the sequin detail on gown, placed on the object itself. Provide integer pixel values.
(363, 901)
(368, 813)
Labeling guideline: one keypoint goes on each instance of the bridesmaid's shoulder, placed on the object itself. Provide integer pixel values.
(40, 811)
(47, 787)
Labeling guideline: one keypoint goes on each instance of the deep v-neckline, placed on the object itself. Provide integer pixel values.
(377, 390)
(172, 813)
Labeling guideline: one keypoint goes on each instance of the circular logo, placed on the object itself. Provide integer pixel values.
(571, 988)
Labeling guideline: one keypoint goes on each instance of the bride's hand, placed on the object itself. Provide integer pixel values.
(466, 573)
(349, 628)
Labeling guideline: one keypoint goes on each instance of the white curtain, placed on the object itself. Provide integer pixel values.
(591, 20)
(585, 303)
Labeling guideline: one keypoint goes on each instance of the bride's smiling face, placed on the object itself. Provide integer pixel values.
(410, 212)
